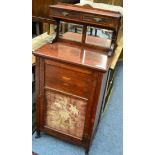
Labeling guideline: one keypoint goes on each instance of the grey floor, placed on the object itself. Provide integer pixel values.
(109, 137)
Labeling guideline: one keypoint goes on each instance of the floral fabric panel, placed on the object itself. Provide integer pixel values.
(65, 113)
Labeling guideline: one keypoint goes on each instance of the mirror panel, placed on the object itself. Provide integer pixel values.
(70, 31)
(98, 37)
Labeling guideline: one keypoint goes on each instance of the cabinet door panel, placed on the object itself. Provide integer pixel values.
(65, 113)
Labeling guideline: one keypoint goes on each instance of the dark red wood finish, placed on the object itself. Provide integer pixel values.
(81, 56)
(84, 82)
(86, 15)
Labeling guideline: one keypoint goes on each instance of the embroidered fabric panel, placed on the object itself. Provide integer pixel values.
(65, 113)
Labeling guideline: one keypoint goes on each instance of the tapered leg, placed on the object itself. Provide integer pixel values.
(87, 152)
(37, 134)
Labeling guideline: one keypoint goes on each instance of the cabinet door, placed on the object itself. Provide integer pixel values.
(66, 101)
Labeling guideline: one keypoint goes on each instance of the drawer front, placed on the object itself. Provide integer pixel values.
(68, 80)
(65, 14)
(99, 20)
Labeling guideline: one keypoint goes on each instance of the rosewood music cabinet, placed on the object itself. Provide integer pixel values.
(72, 72)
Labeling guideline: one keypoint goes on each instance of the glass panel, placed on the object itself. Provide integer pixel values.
(71, 31)
(65, 113)
(99, 37)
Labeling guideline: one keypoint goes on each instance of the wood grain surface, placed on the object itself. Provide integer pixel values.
(74, 54)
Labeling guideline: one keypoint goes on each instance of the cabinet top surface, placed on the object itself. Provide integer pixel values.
(74, 54)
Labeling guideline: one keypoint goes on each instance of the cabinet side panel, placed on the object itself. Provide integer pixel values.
(42, 83)
(100, 102)
(37, 80)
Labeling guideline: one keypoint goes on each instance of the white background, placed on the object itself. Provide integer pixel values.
(16, 78)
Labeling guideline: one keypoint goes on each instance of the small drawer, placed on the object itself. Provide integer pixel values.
(65, 14)
(67, 80)
(98, 20)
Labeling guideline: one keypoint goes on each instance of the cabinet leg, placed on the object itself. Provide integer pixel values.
(87, 151)
(37, 134)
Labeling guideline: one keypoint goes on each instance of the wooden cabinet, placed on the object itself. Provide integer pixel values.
(71, 82)
(68, 97)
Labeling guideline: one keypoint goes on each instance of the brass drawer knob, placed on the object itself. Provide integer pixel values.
(98, 19)
(65, 13)
(66, 78)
